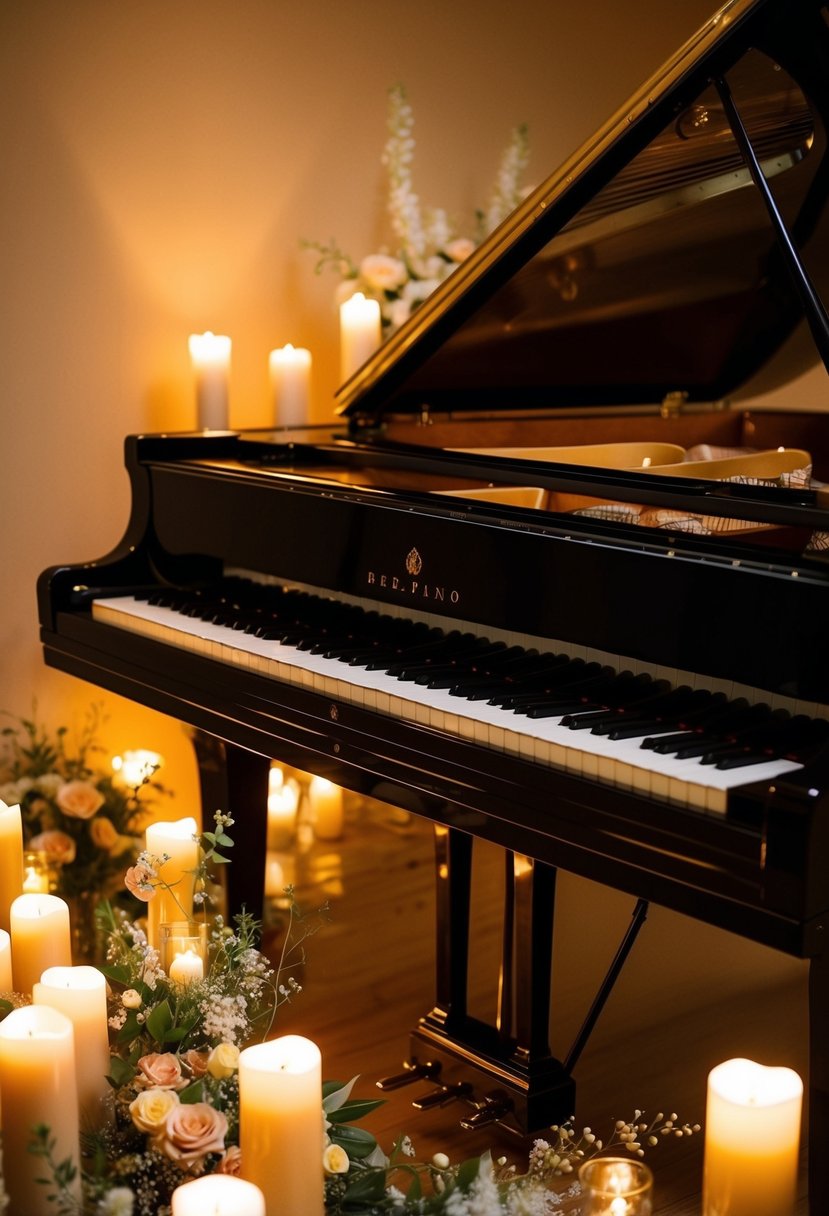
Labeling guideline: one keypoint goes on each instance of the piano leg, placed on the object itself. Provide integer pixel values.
(818, 1084)
(234, 780)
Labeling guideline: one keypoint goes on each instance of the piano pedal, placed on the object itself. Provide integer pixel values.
(412, 1071)
(495, 1107)
(441, 1096)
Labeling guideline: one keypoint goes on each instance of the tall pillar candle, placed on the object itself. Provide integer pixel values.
(80, 994)
(290, 368)
(280, 1124)
(360, 332)
(178, 841)
(41, 938)
(210, 355)
(218, 1195)
(327, 805)
(37, 1073)
(6, 982)
(11, 860)
(752, 1137)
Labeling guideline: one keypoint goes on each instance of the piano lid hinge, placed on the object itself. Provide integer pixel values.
(672, 404)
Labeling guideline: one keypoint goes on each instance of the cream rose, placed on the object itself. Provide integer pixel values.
(131, 999)
(79, 799)
(137, 881)
(223, 1061)
(231, 1162)
(192, 1130)
(150, 1109)
(335, 1160)
(103, 833)
(162, 1069)
(382, 272)
(58, 846)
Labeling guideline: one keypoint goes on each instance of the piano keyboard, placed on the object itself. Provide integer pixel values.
(497, 696)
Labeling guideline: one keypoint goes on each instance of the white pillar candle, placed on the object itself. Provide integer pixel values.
(290, 368)
(282, 809)
(6, 983)
(752, 1136)
(41, 938)
(178, 841)
(80, 994)
(37, 1073)
(280, 1124)
(210, 354)
(11, 859)
(327, 806)
(186, 968)
(218, 1195)
(360, 332)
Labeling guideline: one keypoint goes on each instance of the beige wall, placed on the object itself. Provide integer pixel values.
(159, 163)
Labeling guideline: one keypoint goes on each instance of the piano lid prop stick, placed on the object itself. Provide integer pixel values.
(290, 368)
(360, 332)
(210, 354)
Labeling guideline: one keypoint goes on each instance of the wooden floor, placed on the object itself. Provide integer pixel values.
(369, 976)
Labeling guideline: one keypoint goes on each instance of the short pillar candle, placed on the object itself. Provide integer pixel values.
(210, 354)
(360, 332)
(218, 1195)
(41, 938)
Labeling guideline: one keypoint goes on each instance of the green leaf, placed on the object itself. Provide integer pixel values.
(118, 972)
(193, 1093)
(120, 1072)
(356, 1141)
(223, 861)
(468, 1172)
(160, 1021)
(130, 1028)
(369, 1187)
(337, 1097)
(224, 840)
(350, 1112)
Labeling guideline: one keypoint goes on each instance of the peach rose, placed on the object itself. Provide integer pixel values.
(137, 881)
(150, 1109)
(58, 846)
(459, 249)
(382, 272)
(196, 1061)
(231, 1162)
(223, 1061)
(79, 799)
(192, 1130)
(162, 1069)
(103, 833)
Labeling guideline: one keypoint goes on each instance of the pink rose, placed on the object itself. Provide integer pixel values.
(231, 1162)
(103, 833)
(191, 1131)
(79, 799)
(161, 1069)
(196, 1061)
(58, 847)
(137, 881)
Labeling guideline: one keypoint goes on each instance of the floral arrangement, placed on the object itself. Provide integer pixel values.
(427, 247)
(84, 820)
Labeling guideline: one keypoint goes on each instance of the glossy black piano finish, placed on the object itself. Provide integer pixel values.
(632, 297)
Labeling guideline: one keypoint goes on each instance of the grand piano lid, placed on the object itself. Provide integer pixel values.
(650, 264)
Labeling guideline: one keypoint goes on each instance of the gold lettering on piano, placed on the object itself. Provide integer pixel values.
(413, 587)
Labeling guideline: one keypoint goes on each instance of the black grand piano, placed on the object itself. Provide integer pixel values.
(546, 582)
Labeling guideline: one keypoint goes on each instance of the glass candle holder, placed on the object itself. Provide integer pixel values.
(616, 1186)
(37, 879)
(183, 950)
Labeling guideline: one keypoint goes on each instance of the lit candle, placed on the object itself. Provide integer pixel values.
(210, 354)
(282, 807)
(6, 984)
(37, 1072)
(136, 766)
(35, 874)
(290, 368)
(11, 859)
(360, 332)
(327, 805)
(280, 1128)
(614, 1186)
(752, 1136)
(80, 994)
(218, 1195)
(41, 938)
(186, 967)
(178, 841)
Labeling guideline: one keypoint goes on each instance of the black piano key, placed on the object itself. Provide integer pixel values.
(561, 675)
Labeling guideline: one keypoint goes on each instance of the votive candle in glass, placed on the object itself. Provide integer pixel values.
(182, 949)
(616, 1186)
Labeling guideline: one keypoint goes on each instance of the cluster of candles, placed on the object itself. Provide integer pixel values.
(290, 367)
(325, 800)
(59, 1045)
